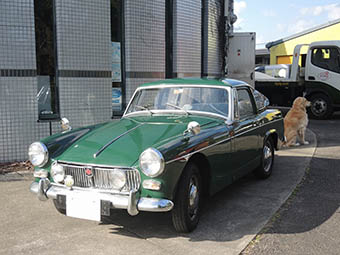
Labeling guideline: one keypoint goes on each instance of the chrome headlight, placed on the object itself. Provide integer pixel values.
(38, 154)
(118, 178)
(57, 172)
(151, 162)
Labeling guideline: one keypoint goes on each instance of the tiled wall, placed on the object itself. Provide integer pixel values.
(18, 107)
(18, 122)
(85, 101)
(145, 42)
(83, 43)
(187, 38)
(17, 38)
(213, 38)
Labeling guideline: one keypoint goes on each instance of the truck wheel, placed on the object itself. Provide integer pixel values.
(186, 212)
(321, 107)
(264, 170)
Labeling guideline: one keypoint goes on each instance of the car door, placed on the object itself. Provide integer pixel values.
(245, 138)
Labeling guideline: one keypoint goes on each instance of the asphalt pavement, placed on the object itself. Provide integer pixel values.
(309, 223)
(230, 220)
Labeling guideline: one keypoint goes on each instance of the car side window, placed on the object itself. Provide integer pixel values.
(236, 115)
(260, 99)
(245, 104)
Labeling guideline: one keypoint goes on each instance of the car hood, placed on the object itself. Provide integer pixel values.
(120, 143)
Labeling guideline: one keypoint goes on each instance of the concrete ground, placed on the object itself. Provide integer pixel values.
(309, 223)
(230, 219)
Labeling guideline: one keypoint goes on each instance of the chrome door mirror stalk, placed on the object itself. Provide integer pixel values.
(65, 124)
(229, 122)
(193, 128)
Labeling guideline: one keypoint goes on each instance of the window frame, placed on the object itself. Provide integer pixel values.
(228, 89)
(41, 71)
(116, 113)
(252, 100)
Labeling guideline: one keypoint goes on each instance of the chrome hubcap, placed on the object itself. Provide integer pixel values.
(319, 107)
(267, 157)
(193, 197)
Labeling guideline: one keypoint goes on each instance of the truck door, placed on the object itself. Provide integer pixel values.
(323, 78)
(241, 57)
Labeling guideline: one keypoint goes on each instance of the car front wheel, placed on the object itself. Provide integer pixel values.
(186, 212)
(265, 168)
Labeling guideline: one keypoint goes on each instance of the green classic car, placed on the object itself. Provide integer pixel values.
(179, 139)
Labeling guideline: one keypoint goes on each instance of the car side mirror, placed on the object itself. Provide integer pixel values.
(65, 124)
(193, 128)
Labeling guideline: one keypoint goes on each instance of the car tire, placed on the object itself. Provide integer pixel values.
(187, 208)
(321, 107)
(265, 169)
(59, 207)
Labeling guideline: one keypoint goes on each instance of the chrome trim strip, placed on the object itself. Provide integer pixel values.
(95, 165)
(96, 190)
(117, 201)
(226, 87)
(225, 140)
(101, 178)
(115, 139)
(191, 153)
(209, 114)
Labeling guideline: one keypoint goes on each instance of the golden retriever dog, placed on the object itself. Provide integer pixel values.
(295, 122)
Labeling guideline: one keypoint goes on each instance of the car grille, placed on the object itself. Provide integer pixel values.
(102, 177)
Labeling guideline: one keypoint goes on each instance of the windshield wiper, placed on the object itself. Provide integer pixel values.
(145, 108)
(179, 108)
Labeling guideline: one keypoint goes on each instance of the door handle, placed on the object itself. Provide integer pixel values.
(312, 78)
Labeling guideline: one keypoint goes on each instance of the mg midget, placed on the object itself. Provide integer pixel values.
(178, 140)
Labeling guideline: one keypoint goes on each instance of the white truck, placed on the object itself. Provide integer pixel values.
(315, 75)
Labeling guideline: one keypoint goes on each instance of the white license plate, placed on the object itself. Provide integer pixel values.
(83, 206)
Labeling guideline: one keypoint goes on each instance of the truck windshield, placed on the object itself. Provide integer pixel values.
(185, 100)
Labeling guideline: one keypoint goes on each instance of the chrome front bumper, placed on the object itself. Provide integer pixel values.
(45, 190)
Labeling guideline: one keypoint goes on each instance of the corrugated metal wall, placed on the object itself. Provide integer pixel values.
(187, 47)
(144, 42)
(213, 38)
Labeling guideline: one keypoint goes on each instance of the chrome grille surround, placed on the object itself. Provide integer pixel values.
(101, 179)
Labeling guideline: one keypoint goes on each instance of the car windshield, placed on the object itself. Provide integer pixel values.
(186, 100)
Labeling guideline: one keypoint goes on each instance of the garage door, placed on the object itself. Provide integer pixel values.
(284, 59)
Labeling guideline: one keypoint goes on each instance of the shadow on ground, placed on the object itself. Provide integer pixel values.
(240, 210)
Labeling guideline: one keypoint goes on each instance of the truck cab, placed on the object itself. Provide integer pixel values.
(322, 78)
(315, 75)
